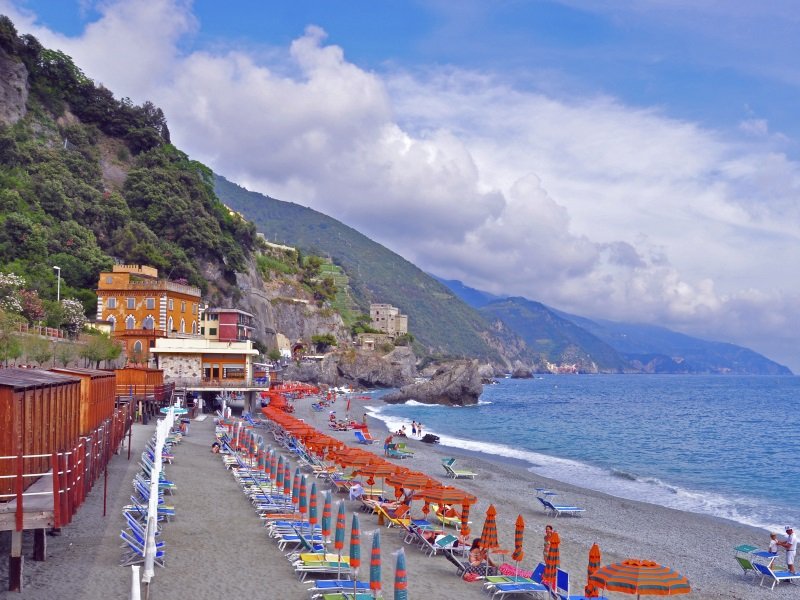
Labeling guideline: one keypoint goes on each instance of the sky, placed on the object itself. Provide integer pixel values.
(635, 160)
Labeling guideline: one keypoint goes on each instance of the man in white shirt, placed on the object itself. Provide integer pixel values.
(791, 548)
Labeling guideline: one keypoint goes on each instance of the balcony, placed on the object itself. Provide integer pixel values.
(165, 286)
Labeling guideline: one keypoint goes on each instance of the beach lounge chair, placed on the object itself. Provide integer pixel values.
(134, 551)
(514, 584)
(774, 577)
(361, 438)
(746, 564)
(461, 565)
(448, 464)
(338, 586)
(557, 509)
(393, 452)
(396, 518)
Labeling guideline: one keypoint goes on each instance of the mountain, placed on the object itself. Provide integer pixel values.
(657, 349)
(439, 320)
(613, 346)
(475, 298)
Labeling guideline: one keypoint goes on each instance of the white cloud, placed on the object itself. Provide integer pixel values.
(586, 204)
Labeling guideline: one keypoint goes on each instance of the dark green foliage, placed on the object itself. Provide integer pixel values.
(323, 341)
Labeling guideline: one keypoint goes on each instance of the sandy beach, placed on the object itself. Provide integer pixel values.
(217, 547)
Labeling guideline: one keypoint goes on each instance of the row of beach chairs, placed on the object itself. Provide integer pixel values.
(758, 564)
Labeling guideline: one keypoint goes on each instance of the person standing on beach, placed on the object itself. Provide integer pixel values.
(419, 429)
(790, 544)
(548, 532)
(414, 428)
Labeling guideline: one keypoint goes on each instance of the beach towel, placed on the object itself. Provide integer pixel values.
(511, 571)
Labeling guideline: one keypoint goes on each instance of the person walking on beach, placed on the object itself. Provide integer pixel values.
(548, 532)
(790, 544)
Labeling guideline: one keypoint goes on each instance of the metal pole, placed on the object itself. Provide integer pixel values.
(58, 285)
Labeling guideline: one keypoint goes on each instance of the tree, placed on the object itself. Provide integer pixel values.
(324, 341)
(32, 306)
(99, 348)
(74, 319)
(10, 345)
(37, 349)
(405, 339)
(64, 352)
(10, 286)
(274, 355)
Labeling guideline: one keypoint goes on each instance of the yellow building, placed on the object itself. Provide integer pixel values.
(142, 308)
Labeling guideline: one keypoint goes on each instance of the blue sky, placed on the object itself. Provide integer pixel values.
(627, 159)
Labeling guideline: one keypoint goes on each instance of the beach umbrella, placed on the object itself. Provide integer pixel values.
(279, 472)
(519, 532)
(375, 564)
(400, 579)
(287, 479)
(465, 519)
(273, 465)
(338, 540)
(355, 550)
(296, 489)
(375, 469)
(551, 561)
(327, 516)
(489, 533)
(591, 590)
(302, 505)
(312, 506)
(641, 577)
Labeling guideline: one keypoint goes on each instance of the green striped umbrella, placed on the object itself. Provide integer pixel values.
(312, 506)
(375, 564)
(400, 578)
(287, 479)
(641, 577)
(355, 549)
(296, 489)
(591, 590)
(327, 516)
(273, 465)
(302, 504)
(279, 473)
(338, 540)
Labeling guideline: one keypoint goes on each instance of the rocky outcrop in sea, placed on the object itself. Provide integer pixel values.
(456, 383)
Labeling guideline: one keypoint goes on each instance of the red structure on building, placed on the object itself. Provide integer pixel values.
(228, 324)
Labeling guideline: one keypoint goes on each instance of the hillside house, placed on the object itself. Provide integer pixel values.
(227, 325)
(388, 319)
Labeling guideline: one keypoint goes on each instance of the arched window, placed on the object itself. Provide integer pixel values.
(194, 328)
(183, 326)
(130, 322)
(113, 322)
(170, 325)
(137, 346)
(148, 323)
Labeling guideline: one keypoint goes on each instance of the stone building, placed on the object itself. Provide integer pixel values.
(388, 319)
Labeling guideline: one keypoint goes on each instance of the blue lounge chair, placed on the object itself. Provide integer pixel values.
(558, 509)
(448, 464)
(360, 437)
(774, 576)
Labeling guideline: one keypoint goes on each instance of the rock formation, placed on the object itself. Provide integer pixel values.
(457, 383)
(358, 368)
(13, 89)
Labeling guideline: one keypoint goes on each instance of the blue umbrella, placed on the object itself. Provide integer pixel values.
(327, 514)
(355, 549)
(296, 489)
(375, 564)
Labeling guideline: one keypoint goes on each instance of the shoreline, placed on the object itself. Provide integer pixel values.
(700, 546)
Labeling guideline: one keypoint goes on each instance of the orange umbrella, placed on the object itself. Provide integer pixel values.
(591, 590)
(519, 532)
(375, 469)
(489, 533)
(641, 577)
(551, 561)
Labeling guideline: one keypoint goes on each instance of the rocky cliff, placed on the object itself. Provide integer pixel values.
(358, 368)
(13, 89)
(457, 384)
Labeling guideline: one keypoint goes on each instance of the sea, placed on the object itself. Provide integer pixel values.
(726, 446)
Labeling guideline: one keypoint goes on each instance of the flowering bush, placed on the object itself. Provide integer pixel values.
(74, 318)
(10, 286)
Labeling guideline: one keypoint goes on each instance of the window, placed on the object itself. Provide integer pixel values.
(131, 303)
(183, 326)
(170, 325)
(148, 323)
(183, 306)
(212, 331)
(171, 304)
(137, 346)
(194, 308)
(130, 322)
(109, 279)
(113, 322)
(194, 328)
(111, 303)
(150, 303)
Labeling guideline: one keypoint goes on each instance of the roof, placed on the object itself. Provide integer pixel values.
(93, 373)
(215, 311)
(19, 379)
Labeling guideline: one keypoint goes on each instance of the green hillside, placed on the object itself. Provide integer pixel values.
(439, 320)
(87, 179)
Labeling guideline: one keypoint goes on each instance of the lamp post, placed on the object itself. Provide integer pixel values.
(58, 285)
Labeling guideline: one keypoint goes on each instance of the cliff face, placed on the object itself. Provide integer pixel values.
(355, 367)
(457, 383)
(13, 89)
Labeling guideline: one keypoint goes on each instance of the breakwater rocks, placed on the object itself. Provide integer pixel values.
(456, 383)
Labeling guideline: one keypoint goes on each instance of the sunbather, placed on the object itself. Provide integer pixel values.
(479, 561)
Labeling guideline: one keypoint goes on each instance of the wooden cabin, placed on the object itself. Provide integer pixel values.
(98, 393)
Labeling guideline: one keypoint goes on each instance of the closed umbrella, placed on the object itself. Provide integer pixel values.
(327, 519)
(296, 489)
(375, 564)
(312, 507)
(273, 465)
(355, 550)
(287, 480)
(519, 532)
(279, 472)
(338, 539)
(591, 590)
(551, 561)
(641, 577)
(400, 578)
(302, 504)
(489, 532)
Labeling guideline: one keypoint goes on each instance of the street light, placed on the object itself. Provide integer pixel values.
(58, 288)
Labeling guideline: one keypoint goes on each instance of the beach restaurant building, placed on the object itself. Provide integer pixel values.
(191, 362)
